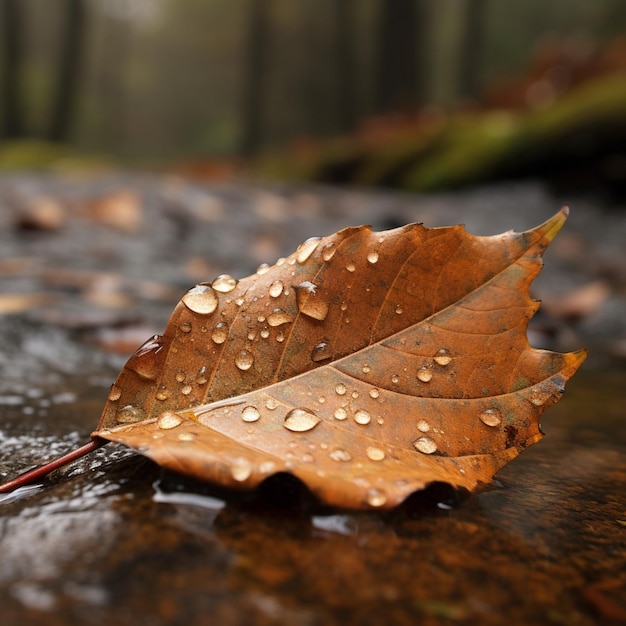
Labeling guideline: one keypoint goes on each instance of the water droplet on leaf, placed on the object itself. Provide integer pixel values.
(340, 455)
(491, 417)
(130, 414)
(423, 426)
(376, 497)
(443, 357)
(328, 251)
(301, 420)
(276, 288)
(340, 414)
(220, 333)
(185, 327)
(146, 361)
(340, 389)
(321, 352)
(425, 445)
(241, 469)
(224, 283)
(306, 249)
(115, 393)
(169, 420)
(372, 256)
(362, 417)
(375, 454)
(201, 299)
(250, 414)
(278, 317)
(244, 360)
(310, 302)
(424, 374)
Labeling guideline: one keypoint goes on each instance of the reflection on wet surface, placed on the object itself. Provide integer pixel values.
(114, 540)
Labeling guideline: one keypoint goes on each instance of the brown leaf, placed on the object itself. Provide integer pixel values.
(367, 364)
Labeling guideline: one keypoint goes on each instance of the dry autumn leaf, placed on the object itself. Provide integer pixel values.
(367, 364)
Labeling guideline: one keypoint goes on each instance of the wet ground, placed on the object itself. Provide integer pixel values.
(90, 267)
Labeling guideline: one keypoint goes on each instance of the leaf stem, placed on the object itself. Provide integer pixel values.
(42, 471)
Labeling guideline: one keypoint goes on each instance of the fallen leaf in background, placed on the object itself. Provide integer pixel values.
(578, 303)
(368, 364)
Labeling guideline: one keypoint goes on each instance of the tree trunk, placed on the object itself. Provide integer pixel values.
(470, 48)
(64, 102)
(11, 125)
(255, 75)
(345, 70)
(399, 71)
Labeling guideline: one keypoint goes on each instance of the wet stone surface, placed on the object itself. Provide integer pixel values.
(113, 539)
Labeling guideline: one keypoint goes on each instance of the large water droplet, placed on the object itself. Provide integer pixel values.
(244, 360)
(374, 393)
(250, 414)
(301, 420)
(328, 251)
(376, 497)
(372, 256)
(425, 374)
(146, 361)
(491, 417)
(276, 288)
(340, 389)
(220, 333)
(169, 420)
(201, 299)
(130, 414)
(278, 317)
(395, 378)
(375, 454)
(264, 268)
(241, 469)
(443, 357)
(321, 352)
(186, 390)
(425, 445)
(306, 249)
(224, 283)
(350, 266)
(340, 455)
(310, 302)
(180, 376)
(362, 417)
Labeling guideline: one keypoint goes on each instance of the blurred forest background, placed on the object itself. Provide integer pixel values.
(359, 91)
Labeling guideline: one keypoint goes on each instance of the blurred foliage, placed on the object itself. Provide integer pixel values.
(582, 133)
(301, 84)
